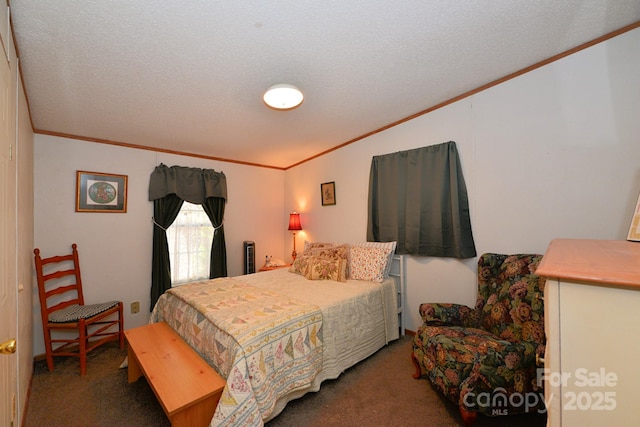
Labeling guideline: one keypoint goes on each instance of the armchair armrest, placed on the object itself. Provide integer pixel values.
(515, 356)
(448, 314)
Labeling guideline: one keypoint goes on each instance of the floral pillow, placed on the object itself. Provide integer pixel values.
(368, 263)
(323, 263)
(300, 265)
(331, 252)
(384, 245)
(309, 246)
(326, 269)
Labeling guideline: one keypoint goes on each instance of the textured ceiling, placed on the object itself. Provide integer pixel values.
(188, 76)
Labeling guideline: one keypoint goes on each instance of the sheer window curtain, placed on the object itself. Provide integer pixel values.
(419, 199)
(189, 239)
(168, 188)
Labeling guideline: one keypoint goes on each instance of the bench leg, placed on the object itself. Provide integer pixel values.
(198, 414)
(133, 370)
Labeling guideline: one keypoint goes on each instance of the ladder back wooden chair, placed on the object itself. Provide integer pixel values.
(79, 328)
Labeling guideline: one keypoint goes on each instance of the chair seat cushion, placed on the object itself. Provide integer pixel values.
(75, 312)
(450, 353)
(461, 360)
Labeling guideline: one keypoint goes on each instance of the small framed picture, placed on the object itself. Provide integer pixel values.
(328, 192)
(101, 192)
(634, 229)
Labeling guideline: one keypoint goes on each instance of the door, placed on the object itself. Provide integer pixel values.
(8, 268)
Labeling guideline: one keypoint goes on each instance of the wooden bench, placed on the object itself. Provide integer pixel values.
(186, 386)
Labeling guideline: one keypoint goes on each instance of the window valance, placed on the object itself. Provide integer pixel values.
(191, 184)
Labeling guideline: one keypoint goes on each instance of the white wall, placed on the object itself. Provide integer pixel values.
(115, 249)
(550, 154)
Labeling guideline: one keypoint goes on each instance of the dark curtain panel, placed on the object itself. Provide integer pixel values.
(419, 199)
(214, 208)
(165, 211)
(168, 188)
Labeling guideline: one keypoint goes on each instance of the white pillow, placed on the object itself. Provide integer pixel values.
(384, 245)
(368, 263)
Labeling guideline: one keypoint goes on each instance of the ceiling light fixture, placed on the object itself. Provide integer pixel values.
(283, 97)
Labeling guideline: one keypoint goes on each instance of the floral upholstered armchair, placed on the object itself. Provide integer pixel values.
(484, 359)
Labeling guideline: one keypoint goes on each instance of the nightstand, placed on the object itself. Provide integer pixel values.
(265, 268)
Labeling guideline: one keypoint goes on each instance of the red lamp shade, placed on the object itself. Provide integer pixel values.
(294, 221)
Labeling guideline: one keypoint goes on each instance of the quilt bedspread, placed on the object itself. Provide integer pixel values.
(265, 344)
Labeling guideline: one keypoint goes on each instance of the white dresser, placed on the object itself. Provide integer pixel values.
(592, 323)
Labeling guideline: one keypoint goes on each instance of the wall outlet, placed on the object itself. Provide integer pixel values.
(135, 307)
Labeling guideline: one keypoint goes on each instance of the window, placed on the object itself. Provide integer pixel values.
(189, 239)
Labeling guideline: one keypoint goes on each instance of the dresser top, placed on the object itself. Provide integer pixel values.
(615, 262)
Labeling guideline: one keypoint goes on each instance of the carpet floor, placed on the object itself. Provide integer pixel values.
(376, 392)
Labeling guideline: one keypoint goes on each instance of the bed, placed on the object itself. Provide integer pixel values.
(277, 335)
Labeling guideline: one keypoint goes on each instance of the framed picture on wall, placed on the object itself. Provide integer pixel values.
(328, 193)
(634, 229)
(101, 192)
